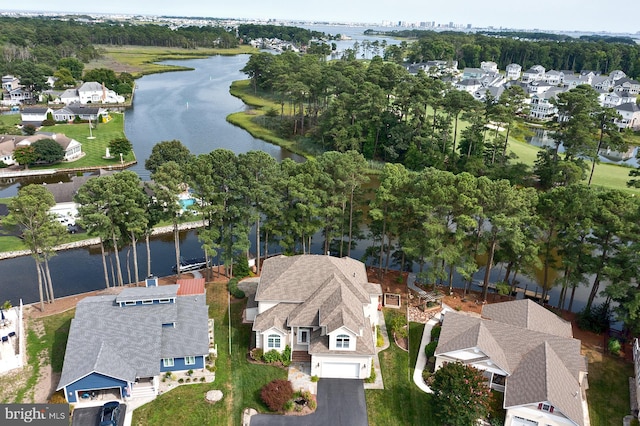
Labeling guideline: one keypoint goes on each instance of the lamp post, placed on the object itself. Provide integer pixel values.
(121, 159)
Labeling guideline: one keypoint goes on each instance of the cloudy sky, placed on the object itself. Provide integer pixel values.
(580, 15)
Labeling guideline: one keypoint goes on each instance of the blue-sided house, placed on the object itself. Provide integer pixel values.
(120, 344)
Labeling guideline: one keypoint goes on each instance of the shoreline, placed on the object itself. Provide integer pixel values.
(95, 240)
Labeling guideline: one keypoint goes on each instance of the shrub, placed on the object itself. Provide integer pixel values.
(435, 332)
(635, 422)
(398, 323)
(430, 349)
(425, 375)
(232, 286)
(49, 123)
(314, 379)
(312, 404)
(57, 398)
(202, 379)
(285, 356)
(271, 356)
(372, 376)
(276, 393)
(188, 380)
(257, 354)
(190, 372)
(614, 346)
(180, 380)
(379, 338)
(288, 406)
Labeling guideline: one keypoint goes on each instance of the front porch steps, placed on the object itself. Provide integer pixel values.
(300, 356)
(143, 391)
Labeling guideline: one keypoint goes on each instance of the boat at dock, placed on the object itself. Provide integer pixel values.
(194, 264)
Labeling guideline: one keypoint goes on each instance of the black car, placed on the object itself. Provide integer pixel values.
(109, 414)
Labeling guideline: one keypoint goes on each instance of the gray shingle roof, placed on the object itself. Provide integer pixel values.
(129, 342)
(316, 291)
(294, 278)
(543, 363)
(528, 314)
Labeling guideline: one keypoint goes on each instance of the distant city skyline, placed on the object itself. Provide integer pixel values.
(548, 15)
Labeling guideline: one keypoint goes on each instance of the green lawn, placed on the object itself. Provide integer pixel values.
(239, 380)
(608, 393)
(401, 402)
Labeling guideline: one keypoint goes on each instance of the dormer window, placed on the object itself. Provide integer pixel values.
(342, 341)
(545, 407)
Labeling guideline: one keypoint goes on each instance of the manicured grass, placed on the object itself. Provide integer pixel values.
(608, 393)
(94, 149)
(239, 380)
(401, 402)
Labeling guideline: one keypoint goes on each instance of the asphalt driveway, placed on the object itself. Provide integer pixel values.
(89, 416)
(340, 403)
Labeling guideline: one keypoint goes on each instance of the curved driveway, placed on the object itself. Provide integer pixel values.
(340, 403)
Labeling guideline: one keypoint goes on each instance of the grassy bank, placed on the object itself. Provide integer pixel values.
(249, 119)
(142, 60)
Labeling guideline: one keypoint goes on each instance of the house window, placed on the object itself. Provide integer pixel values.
(129, 303)
(303, 336)
(189, 360)
(165, 300)
(545, 407)
(273, 341)
(342, 341)
(167, 362)
(147, 302)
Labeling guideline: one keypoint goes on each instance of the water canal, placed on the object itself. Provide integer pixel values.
(190, 106)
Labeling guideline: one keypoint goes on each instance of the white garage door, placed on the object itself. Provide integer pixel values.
(519, 421)
(340, 370)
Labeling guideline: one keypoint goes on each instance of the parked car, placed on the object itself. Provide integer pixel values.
(109, 414)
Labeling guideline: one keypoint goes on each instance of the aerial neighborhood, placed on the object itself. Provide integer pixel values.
(407, 256)
(615, 90)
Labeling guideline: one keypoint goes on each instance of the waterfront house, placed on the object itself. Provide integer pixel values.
(8, 143)
(92, 92)
(541, 107)
(630, 113)
(81, 112)
(35, 115)
(489, 66)
(528, 353)
(119, 345)
(323, 308)
(628, 85)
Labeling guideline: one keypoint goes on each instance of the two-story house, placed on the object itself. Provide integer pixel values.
(121, 343)
(513, 71)
(323, 308)
(528, 353)
(535, 73)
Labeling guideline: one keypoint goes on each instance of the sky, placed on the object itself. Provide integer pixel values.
(552, 15)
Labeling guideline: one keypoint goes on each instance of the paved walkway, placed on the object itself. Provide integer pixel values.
(378, 383)
(421, 362)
